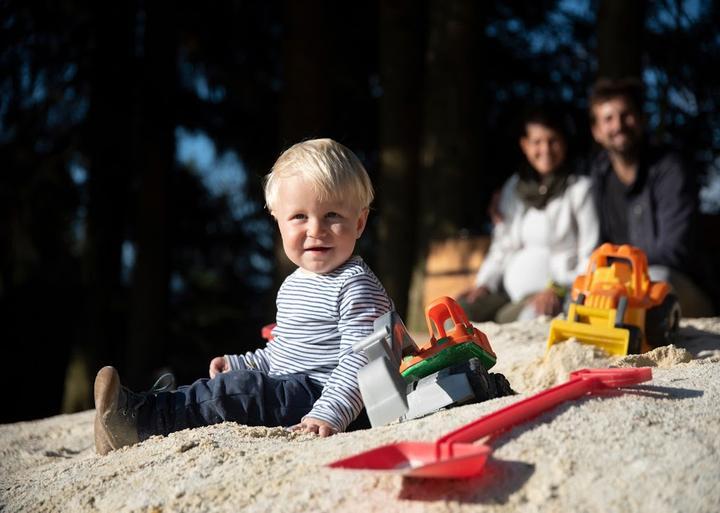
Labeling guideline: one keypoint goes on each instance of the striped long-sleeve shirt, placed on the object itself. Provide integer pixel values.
(319, 317)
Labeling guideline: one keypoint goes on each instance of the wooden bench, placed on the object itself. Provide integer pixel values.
(452, 264)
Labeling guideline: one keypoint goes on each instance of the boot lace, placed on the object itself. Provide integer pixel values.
(132, 401)
(164, 383)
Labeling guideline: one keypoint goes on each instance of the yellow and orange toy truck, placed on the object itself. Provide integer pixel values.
(616, 307)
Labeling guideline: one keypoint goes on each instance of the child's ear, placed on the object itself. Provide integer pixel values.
(362, 221)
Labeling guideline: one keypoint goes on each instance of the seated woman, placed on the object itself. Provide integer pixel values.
(547, 230)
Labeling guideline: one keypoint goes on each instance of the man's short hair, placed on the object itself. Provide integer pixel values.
(332, 169)
(606, 89)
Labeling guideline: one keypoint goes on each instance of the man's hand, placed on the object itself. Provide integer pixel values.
(545, 302)
(494, 209)
(218, 365)
(316, 426)
(475, 293)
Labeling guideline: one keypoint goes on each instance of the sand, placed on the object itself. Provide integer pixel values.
(655, 448)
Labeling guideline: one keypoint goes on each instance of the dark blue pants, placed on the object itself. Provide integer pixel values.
(245, 396)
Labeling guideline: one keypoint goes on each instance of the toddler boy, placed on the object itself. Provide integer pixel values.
(319, 193)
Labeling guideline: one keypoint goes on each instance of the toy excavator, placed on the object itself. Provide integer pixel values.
(404, 380)
(616, 307)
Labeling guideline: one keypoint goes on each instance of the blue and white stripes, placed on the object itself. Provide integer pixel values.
(319, 317)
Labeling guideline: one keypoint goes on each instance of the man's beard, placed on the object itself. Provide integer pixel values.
(628, 151)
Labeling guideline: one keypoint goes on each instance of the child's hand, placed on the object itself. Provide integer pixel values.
(218, 365)
(317, 426)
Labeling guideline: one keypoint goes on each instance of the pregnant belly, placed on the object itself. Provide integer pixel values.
(528, 272)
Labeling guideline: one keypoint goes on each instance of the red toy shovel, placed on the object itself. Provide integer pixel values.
(454, 456)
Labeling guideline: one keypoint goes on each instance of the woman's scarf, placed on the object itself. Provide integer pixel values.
(536, 190)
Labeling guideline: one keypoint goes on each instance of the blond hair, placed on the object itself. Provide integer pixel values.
(332, 169)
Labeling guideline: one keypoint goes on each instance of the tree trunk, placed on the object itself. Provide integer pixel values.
(400, 112)
(109, 128)
(451, 133)
(620, 29)
(156, 145)
(305, 111)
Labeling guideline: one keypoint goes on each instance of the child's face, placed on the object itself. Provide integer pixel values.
(317, 235)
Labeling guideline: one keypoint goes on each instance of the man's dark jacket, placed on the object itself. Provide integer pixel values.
(661, 207)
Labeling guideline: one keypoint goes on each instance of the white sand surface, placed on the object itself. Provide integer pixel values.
(654, 448)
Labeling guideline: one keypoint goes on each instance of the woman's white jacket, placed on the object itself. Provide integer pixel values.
(532, 247)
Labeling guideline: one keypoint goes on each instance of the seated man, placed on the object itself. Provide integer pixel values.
(643, 192)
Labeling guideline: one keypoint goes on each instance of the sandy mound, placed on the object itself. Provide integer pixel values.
(653, 449)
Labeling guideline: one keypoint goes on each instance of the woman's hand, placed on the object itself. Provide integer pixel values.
(545, 303)
(475, 293)
(218, 365)
(316, 426)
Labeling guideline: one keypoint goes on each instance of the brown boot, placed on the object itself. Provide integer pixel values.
(116, 410)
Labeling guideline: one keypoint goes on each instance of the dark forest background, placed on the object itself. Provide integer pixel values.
(133, 136)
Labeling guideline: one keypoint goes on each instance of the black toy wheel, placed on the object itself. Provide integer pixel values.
(663, 322)
(635, 339)
(484, 385)
(478, 378)
(502, 385)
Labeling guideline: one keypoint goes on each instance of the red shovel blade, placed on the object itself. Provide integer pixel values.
(453, 456)
(420, 459)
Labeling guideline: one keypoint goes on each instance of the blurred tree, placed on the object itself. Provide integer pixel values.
(400, 112)
(307, 86)
(620, 27)
(221, 237)
(120, 152)
(40, 106)
(153, 139)
(112, 238)
(451, 144)
(109, 79)
(682, 90)
(217, 301)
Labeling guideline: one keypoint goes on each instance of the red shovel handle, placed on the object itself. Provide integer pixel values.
(613, 378)
(580, 383)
